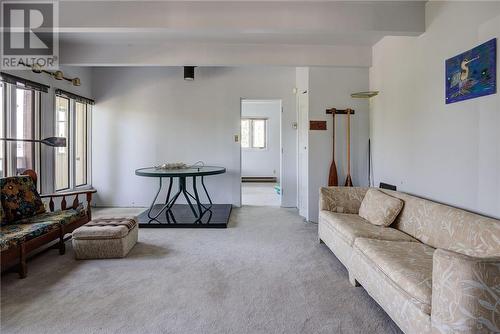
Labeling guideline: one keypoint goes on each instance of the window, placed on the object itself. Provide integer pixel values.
(80, 144)
(254, 133)
(62, 153)
(19, 119)
(25, 126)
(72, 122)
(2, 132)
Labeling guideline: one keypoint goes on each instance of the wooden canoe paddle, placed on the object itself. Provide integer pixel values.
(333, 179)
(348, 180)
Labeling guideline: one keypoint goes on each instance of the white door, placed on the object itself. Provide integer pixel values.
(303, 155)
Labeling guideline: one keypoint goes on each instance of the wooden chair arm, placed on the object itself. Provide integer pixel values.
(69, 193)
(87, 192)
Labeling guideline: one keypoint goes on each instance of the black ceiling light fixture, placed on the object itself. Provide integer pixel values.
(189, 73)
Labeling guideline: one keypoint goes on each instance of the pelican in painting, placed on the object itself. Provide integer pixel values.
(462, 78)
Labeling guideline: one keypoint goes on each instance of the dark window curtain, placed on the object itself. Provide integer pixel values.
(75, 97)
(24, 83)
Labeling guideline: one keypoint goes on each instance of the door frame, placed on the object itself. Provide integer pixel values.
(303, 146)
(280, 143)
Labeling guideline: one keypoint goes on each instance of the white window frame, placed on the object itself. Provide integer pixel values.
(88, 112)
(68, 143)
(71, 143)
(250, 133)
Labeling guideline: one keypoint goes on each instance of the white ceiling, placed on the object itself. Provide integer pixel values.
(297, 33)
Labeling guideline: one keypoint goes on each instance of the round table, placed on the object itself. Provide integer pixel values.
(199, 209)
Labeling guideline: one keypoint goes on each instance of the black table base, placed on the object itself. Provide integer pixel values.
(193, 214)
(184, 217)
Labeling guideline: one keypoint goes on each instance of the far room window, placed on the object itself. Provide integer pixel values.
(72, 162)
(254, 133)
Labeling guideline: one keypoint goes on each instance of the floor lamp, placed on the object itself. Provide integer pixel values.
(50, 141)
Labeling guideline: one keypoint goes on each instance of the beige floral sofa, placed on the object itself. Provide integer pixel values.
(435, 269)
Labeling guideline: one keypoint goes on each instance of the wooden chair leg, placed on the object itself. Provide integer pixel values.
(23, 269)
(62, 245)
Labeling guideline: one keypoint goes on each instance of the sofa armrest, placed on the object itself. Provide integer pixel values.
(341, 199)
(465, 293)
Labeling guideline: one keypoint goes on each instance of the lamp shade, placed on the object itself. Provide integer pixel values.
(364, 95)
(36, 68)
(54, 141)
(58, 75)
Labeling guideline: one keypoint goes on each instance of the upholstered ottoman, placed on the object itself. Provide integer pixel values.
(103, 238)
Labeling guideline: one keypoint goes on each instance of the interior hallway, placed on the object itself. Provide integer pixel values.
(259, 194)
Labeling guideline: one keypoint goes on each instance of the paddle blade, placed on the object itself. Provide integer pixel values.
(348, 181)
(333, 179)
(55, 141)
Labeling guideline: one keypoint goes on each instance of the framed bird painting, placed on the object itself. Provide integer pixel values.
(472, 74)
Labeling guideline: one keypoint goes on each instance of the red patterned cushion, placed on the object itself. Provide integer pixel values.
(19, 198)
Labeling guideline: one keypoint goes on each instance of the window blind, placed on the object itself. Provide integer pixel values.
(76, 97)
(24, 83)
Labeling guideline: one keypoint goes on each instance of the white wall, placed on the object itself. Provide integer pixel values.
(449, 153)
(332, 88)
(263, 162)
(148, 115)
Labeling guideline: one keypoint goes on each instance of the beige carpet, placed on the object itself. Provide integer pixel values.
(259, 194)
(265, 274)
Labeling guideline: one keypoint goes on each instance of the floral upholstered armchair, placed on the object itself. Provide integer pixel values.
(27, 225)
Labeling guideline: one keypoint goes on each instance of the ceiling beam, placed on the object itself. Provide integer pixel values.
(215, 55)
(292, 33)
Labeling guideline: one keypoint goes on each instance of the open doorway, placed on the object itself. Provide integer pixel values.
(260, 152)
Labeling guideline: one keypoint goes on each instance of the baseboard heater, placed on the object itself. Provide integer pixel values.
(270, 179)
(387, 186)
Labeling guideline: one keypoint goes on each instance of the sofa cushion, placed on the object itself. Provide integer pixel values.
(63, 217)
(446, 227)
(19, 198)
(13, 234)
(351, 226)
(29, 228)
(341, 199)
(407, 264)
(379, 208)
(394, 300)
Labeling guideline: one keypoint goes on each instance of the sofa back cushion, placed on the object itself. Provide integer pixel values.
(19, 198)
(443, 226)
(379, 208)
(341, 199)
